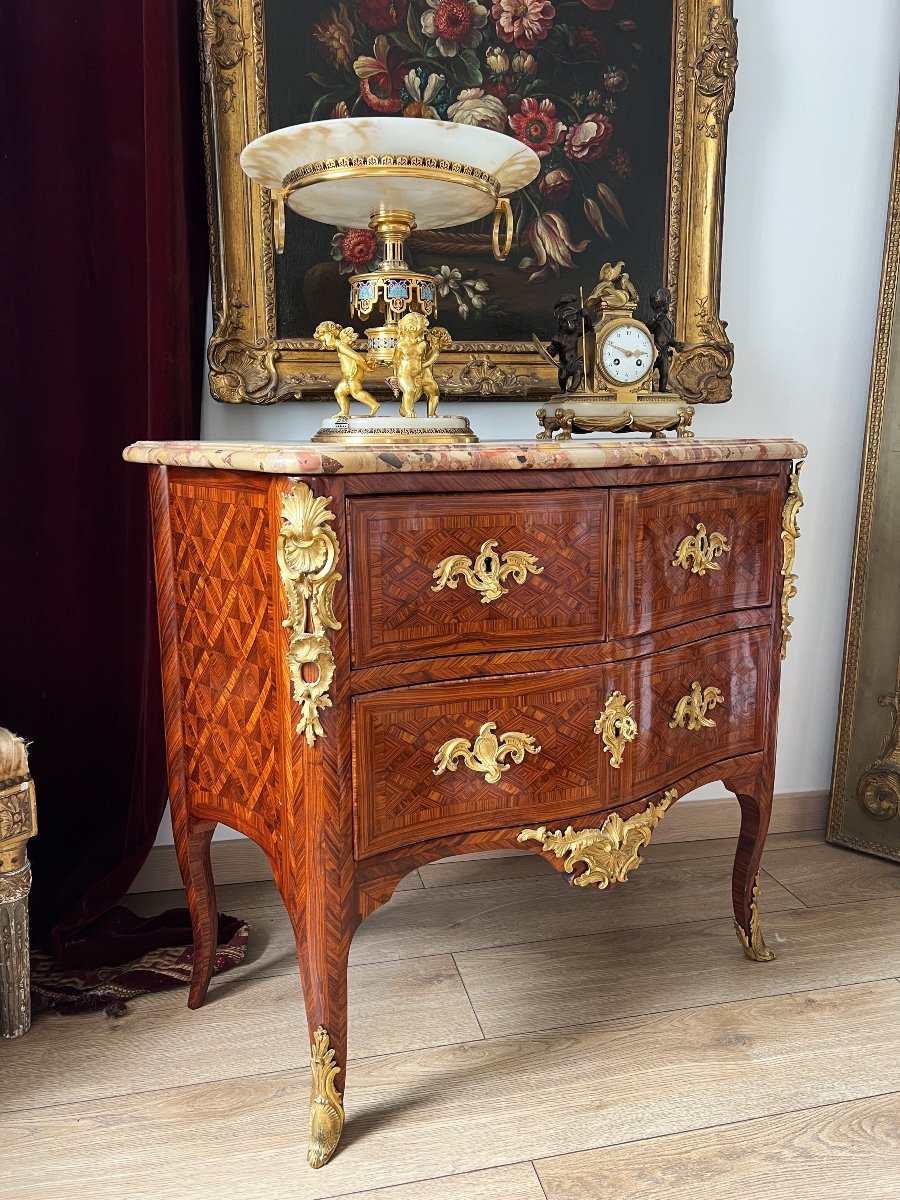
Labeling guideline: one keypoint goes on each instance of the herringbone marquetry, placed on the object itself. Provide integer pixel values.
(344, 818)
(396, 613)
(649, 592)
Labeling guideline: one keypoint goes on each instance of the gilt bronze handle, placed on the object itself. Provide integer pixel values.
(617, 727)
(487, 755)
(698, 551)
(487, 573)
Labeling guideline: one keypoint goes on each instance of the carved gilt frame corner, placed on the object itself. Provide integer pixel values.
(249, 364)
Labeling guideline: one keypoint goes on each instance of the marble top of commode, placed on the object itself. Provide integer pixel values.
(307, 458)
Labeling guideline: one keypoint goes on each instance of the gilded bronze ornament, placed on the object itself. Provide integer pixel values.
(690, 711)
(18, 823)
(488, 572)
(326, 1108)
(752, 939)
(617, 727)
(698, 551)
(487, 755)
(307, 555)
(608, 853)
(790, 531)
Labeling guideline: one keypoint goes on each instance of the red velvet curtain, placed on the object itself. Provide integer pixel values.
(105, 257)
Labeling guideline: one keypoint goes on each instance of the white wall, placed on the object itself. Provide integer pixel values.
(809, 157)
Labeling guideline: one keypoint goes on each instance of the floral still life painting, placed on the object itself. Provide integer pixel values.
(585, 83)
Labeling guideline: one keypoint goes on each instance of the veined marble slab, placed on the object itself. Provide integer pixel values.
(306, 458)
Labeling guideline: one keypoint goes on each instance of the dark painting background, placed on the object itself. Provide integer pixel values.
(609, 57)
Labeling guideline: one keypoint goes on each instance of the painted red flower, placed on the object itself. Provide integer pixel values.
(589, 138)
(556, 184)
(382, 15)
(586, 37)
(523, 22)
(354, 248)
(537, 126)
(381, 76)
(598, 5)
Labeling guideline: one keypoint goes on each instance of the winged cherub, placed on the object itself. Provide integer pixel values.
(415, 353)
(353, 366)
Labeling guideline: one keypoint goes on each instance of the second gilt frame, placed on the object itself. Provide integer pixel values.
(248, 363)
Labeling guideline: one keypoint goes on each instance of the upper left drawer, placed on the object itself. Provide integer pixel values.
(474, 573)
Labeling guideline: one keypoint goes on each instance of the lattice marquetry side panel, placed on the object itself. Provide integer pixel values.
(224, 601)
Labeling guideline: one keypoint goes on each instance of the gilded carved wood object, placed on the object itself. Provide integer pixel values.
(865, 789)
(487, 573)
(252, 360)
(307, 554)
(18, 823)
(607, 853)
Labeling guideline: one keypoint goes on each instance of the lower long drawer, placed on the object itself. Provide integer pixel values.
(441, 759)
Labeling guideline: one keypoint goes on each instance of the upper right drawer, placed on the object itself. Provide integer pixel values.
(682, 551)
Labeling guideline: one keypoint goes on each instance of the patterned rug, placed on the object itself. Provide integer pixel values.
(72, 990)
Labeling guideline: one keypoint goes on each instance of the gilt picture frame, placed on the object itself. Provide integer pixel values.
(255, 354)
(864, 811)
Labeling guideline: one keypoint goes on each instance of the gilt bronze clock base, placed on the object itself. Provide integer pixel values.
(381, 431)
(583, 413)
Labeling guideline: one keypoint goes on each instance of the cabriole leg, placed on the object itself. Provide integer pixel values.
(755, 798)
(192, 844)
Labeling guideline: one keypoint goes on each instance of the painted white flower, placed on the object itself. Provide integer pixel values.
(454, 23)
(473, 107)
(422, 94)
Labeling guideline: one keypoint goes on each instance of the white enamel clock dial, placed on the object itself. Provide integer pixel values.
(627, 354)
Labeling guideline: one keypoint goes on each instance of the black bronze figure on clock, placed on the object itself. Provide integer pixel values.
(663, 329)
(572, 321)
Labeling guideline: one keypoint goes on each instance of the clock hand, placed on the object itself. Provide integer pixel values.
(622, 350)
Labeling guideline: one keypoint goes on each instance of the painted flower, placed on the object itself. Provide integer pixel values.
(551, 241)
(475, 108)
(340, 110)
(615, 79)
(335, 35)
(556, 184)
(537, 126)
(588, 139)
(524, 63)
(467, 290)
(354, 249)
(628, 26)
(423, 94)
(598, 5)
(497, 60)
(621, 164)
(381, 16)
(381, 76)
(587, 38)
(454, 23)
(523, 22)
(594, 214)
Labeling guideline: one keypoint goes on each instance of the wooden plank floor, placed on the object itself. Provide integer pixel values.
(511, 1038)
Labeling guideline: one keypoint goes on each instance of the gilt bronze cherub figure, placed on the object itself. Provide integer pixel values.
(353, 366)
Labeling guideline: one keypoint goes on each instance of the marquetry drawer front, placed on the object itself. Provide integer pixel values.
(697, 705)
(449, 758)
(437, 575)
(687, 550)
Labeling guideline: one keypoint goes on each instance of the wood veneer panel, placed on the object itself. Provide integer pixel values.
(647, 524)
(398, 798)
(396, 547)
